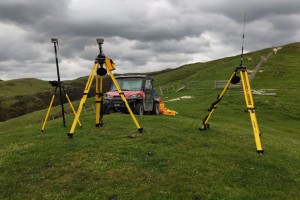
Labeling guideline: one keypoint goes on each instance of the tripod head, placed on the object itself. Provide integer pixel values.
(100, 41)
(100, 58)
(54, 40)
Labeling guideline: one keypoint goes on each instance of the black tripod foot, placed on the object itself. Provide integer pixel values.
(100, 123)
(260, 152)
(42, 131)
(206, 126)
(70, 136)
(140, 130)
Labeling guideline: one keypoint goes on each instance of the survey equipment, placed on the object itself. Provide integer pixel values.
(102, 66)
(234, 79)
(58, 85)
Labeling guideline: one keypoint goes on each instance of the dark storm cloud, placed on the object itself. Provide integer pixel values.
(257, 10)
(28, 12)
(234, 9)
(139, 35)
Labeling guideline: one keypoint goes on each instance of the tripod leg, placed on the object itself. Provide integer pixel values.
(214, 105)
(98, 100)
(250, 108)
(72, 108)
(125, 101)
(101, 101)
(83, 99)
(47, 115)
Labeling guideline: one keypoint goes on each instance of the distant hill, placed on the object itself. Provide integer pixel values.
(22, 96)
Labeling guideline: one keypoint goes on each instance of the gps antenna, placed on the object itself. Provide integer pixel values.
(243, 41)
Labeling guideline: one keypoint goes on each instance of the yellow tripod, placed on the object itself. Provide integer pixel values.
(249, 103)
(56, 85)
(99, 69)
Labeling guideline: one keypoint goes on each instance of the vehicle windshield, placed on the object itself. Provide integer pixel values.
(128, 84)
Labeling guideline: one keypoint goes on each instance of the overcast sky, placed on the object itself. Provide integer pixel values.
(139, 35)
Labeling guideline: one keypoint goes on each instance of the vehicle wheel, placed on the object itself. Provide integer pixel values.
(155, 110)
(139, 110)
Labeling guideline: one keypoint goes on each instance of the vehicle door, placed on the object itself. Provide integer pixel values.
(148, 103)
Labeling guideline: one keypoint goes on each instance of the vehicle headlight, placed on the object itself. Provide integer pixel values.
(107, 97)
(134, 96)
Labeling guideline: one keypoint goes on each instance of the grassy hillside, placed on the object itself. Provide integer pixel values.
(17, 97)
(15, 87)
(172, 159)
(22, 96)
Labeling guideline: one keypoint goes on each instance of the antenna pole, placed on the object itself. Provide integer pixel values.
(55, 42)
(243, 41)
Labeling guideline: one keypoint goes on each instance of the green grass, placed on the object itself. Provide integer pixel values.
(172, 159)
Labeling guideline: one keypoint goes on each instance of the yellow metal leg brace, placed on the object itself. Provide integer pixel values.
(125, 101)
(214, 105)
(73, 110)
(250, 108)
(47, 115)
(83, 99)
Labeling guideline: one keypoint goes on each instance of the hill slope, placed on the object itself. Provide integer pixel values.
(22, 96)
(172, 159)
